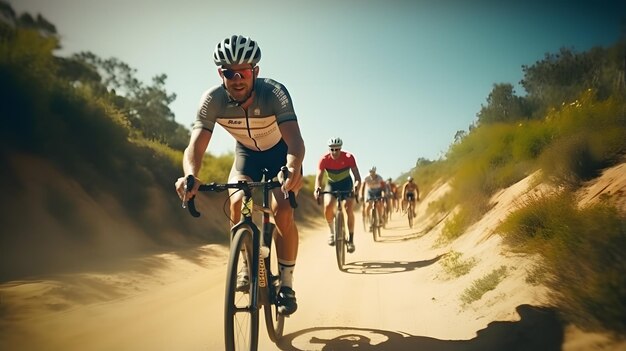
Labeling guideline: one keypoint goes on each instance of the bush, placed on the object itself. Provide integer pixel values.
(583, 253)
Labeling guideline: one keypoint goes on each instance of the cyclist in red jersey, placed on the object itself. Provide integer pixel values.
(337, 165)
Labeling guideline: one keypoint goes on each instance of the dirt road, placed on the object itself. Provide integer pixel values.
(390, 298)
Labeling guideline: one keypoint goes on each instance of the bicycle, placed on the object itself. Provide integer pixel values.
(374, 221)
(410, 213)
(254, 246)
(340, 225)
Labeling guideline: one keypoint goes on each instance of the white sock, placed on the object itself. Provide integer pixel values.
(286, 272)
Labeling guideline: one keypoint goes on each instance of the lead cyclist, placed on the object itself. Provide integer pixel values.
(259, 114)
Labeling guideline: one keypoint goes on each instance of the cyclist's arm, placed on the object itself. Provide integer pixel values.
(192, 157)
(357, 178)
(295, 152)
(318, 180)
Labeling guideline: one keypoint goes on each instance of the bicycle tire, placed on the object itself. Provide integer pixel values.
(241, 319)
(374, 221)
(274, 321)
(340, 242)
(410, 214)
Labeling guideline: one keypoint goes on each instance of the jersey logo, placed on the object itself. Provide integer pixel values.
(234, 122)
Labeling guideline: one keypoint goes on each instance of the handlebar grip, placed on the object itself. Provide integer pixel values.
(292, 199)
(191, 205)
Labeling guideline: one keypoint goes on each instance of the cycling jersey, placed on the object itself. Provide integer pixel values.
(255, 128)
(375, 186)
(375, 182)
(337, 169)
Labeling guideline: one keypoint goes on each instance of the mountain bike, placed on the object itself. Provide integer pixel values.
(410, 214)
(340, 225)
(375, 221)
(250, 249)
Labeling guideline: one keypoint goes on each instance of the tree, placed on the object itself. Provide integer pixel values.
(502, 106)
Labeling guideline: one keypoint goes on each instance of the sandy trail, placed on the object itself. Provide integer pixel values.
(394, 295)
(389, 298)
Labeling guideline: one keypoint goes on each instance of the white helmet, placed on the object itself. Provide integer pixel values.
(236, 49)
(373, 169)
(335, 142)
(409, 178)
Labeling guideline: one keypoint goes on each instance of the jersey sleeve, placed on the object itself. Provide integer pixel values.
(208, 109)
(281, 101)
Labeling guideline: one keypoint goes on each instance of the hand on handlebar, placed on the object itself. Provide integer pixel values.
(184, 191)
(290, 179)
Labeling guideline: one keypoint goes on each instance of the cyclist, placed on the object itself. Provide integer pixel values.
(393, 189)
(375, 186)
(337, 165)
(388, 204)
(410, 193)
(259, 114)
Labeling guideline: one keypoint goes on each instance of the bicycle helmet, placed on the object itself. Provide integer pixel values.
(236, 49)
(409, 178)
(373, 169)
(335, 142)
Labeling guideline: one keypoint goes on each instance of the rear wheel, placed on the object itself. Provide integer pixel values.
(340, 242)
(241, 319)
(274, 321)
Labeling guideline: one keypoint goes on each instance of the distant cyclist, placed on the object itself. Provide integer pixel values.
(373, 187)
(337, 165)
(393, 189)
(410, 194)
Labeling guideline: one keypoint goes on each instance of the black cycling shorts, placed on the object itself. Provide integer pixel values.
(410, 197)
(342, 185)
(251, 163)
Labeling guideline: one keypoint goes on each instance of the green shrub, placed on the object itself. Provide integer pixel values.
(454, 266)
(583, 253)
(483, 285)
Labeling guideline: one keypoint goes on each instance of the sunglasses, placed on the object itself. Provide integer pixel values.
(333, 149)
(232, 73)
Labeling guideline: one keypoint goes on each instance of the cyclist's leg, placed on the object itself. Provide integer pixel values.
(329, 210)
(286, 250)
(350, 212)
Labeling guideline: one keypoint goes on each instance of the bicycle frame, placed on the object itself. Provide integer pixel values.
(259, 270)
(341, 196)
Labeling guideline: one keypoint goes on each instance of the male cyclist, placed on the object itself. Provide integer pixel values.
(393, 188)
(337, 165)
(375, 186)
(259, 114)
(410, 193)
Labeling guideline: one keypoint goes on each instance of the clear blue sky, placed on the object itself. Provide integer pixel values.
(394, 79)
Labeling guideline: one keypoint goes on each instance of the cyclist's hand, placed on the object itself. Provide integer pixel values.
(316, 194)
(181, 191)
(292, 182)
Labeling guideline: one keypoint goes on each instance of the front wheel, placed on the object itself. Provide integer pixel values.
(410, 214)
(340, 242)
(375, 223)
(241, 319)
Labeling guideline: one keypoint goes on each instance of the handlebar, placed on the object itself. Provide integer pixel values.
(340, 193)
(244, 185)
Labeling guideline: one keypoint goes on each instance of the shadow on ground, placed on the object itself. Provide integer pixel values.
(386, 267)
(539, 329)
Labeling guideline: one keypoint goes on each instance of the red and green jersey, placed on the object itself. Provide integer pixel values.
(337, 169)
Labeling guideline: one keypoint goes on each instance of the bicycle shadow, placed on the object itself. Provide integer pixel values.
(538, 329)
(387, 267)
(399, 238)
